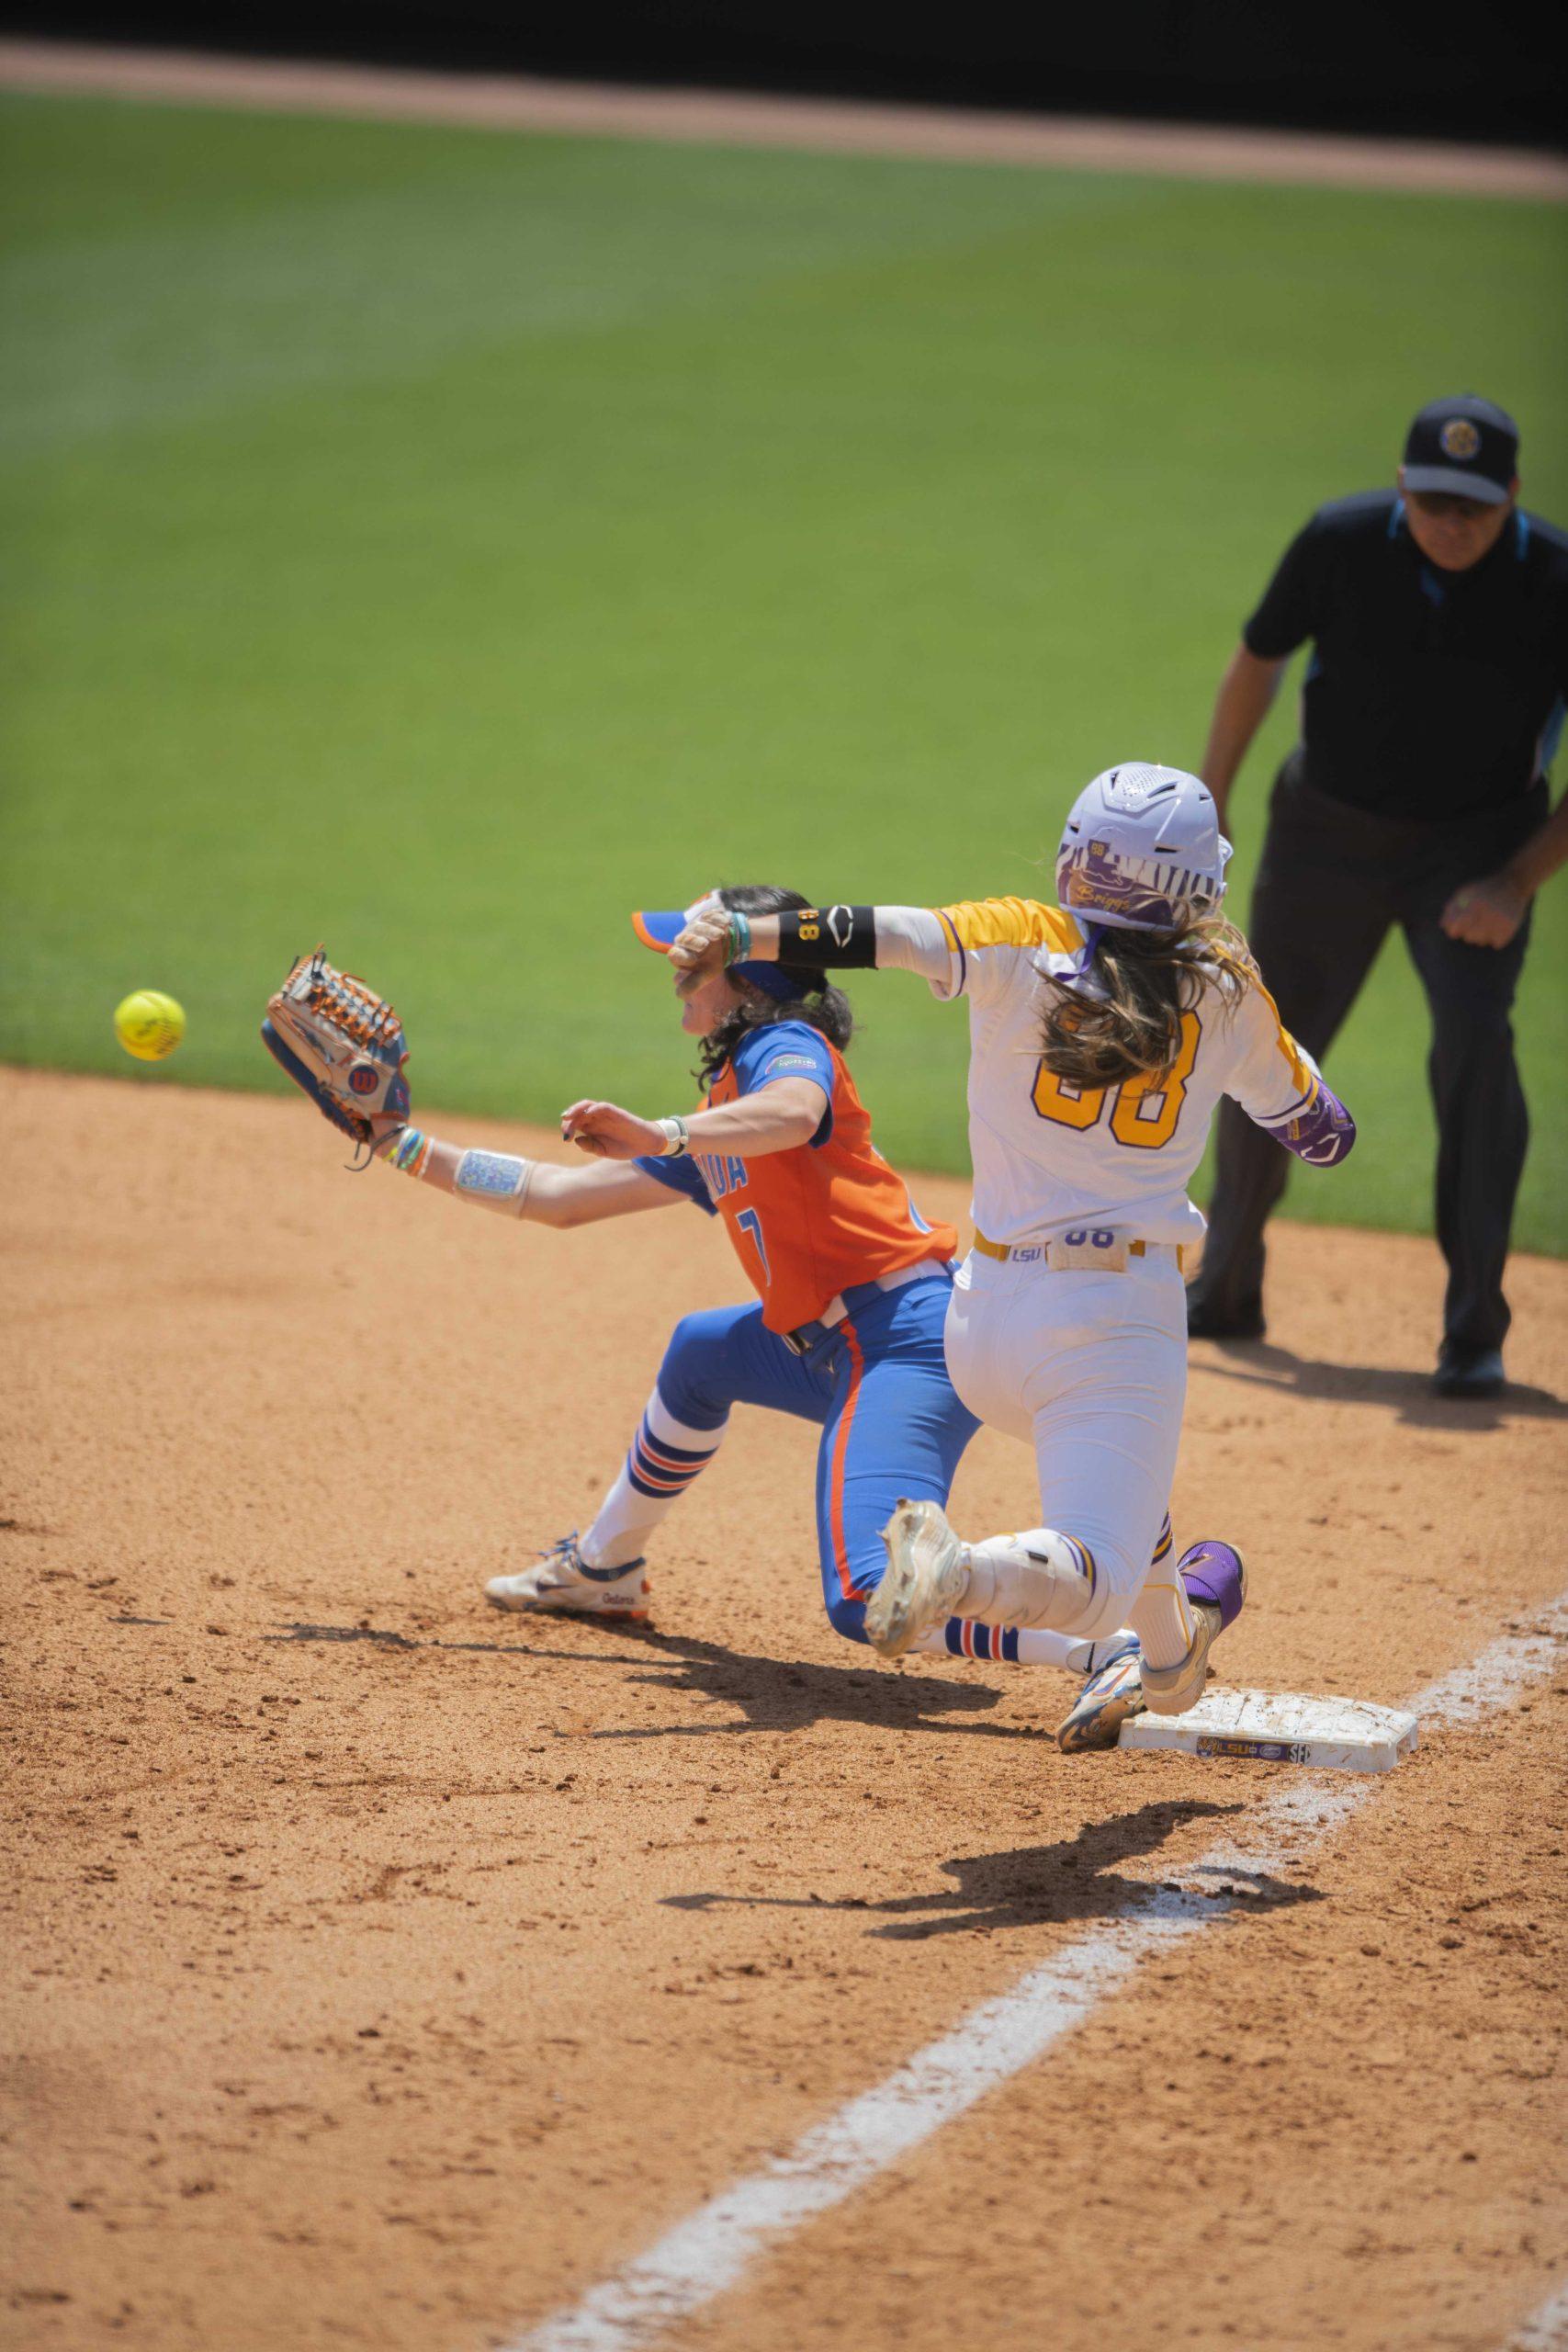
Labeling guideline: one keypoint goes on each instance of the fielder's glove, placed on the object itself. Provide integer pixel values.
(344, 1045)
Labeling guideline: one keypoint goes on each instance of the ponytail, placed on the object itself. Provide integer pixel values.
(1145, 982)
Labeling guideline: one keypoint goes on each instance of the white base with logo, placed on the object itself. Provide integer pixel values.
(1276, 1727)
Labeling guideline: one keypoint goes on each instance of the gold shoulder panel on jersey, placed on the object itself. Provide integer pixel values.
(1287, 1044)
(1008, 922)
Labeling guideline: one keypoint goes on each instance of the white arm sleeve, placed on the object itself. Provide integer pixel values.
(912, 940)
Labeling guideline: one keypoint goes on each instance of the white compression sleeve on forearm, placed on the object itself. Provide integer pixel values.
(910, 939)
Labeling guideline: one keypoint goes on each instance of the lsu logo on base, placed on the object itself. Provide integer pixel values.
(1262, 1751)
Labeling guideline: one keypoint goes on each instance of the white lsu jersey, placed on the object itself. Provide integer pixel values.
(1049, 1156)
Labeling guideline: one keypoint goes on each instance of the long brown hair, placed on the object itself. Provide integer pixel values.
(1150, 978)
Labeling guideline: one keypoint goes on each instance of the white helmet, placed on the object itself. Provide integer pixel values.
(1142, 850)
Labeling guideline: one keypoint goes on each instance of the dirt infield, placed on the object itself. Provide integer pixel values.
(383, 1972)
(747, 118)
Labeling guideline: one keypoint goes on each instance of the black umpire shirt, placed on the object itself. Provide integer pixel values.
(1430, 694)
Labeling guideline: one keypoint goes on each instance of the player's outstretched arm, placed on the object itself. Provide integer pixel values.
(836, 938)
(534, 1189)
(344, 1045)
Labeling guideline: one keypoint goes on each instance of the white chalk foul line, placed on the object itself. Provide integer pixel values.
(702, 2255)
(1545, 2330)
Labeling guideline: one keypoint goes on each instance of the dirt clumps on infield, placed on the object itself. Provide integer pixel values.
(384, 1971)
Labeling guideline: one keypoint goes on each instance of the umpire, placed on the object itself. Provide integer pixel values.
(1416, 795)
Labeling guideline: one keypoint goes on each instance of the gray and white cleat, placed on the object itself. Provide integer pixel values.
(1110, 1696)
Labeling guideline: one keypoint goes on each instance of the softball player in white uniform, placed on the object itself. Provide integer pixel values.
(1104, 1033)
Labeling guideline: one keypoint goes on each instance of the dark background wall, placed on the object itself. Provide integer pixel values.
(1481, 72)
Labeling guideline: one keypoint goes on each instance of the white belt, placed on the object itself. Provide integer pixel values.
(836, 1308)
(811, 1335)
(1087, 1250)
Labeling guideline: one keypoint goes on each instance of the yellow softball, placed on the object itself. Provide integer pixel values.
(149, 1023)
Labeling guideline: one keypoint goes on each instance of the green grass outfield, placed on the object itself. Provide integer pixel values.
(439, 543)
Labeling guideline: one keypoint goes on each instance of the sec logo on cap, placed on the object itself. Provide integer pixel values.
(1460, 439)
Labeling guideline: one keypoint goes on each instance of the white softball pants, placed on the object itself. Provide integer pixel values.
(1090, 1369)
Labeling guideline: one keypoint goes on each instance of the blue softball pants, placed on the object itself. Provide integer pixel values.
(876, 1387)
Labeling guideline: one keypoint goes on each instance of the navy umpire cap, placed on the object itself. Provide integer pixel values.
(1466, 448)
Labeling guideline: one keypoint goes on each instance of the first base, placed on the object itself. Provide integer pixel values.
(1276, 1727)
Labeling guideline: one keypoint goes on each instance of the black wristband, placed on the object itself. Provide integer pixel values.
(838, 937)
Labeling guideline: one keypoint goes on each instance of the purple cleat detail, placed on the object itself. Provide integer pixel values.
(1214, 1574)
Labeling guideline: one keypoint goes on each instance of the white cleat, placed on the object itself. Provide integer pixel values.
(1171, 1689)
(560, 1580)
(925, 1578)
(1214, 1575)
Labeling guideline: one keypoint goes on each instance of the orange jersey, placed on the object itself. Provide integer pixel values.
(808, 1223)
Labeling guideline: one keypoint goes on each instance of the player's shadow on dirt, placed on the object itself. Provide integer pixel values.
(772, 1695)
(1031, 1885)
(1259, 1363)
(776, 1695)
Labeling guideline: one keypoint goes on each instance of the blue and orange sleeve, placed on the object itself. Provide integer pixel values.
(787, 1049)
(682, 1176)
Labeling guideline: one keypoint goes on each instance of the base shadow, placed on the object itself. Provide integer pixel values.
(1075, 1879)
